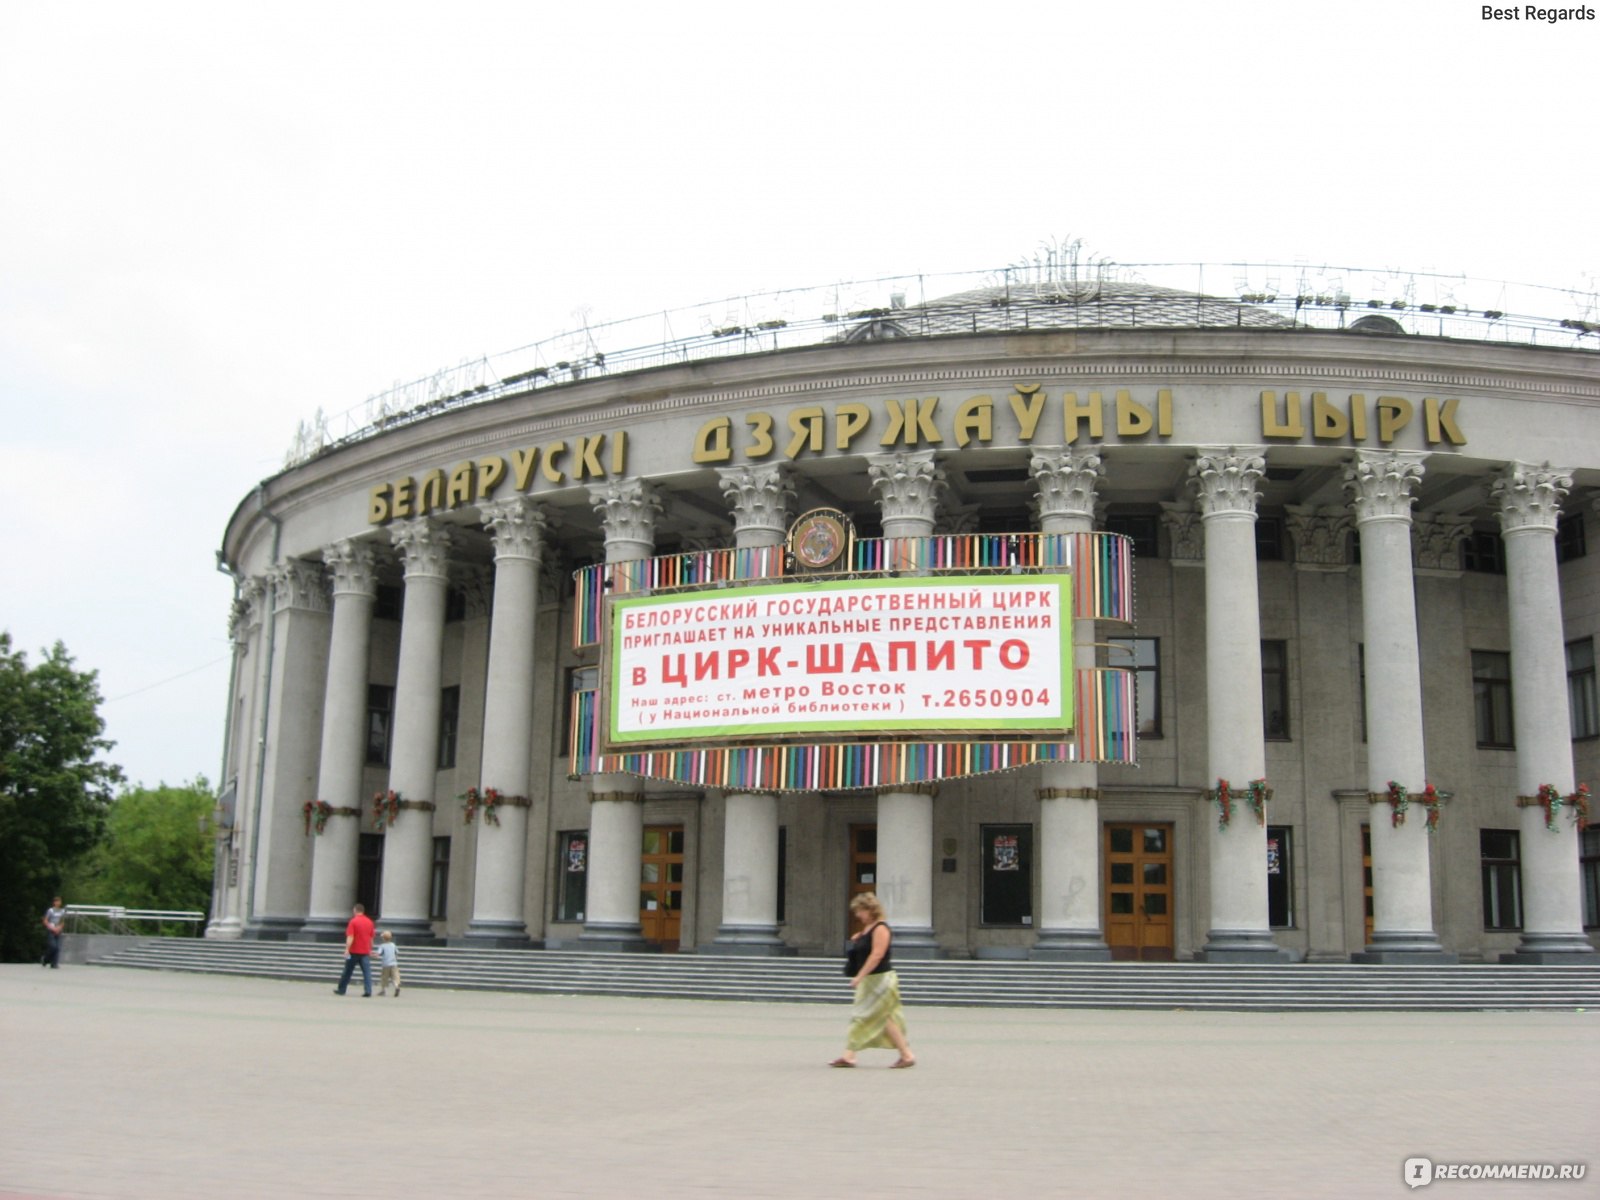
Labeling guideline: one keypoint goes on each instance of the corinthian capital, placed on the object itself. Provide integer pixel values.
(424, 544)
(1224, 479)
(518, 527)
(1319, 535)
(1529, 497)
(627, 509)
(248, 608)
(1066, 480)
(354, 566)
(1437, 540)
(759, 498)
(1381, 482)
(907, 484)
(298, 584)
(1185, 533)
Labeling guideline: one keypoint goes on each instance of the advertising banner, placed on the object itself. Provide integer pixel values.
(953, 655)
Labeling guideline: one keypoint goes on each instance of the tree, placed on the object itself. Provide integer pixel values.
(53, 793)
(156, 852)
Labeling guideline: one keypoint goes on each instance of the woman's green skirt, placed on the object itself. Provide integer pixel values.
(877, 1003)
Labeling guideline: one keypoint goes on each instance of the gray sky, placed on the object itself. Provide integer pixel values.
(217, 218)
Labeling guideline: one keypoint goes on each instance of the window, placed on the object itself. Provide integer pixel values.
(369, 872)
(455, 605)
(449, 726)
(1581, 689)
(579, 707)
(1361, 688)
(1589, 863)
(1007, 875)
(1280, 889)
(1569, 537)
(439, 887)
(389, 603)
(572, 874)
(1275, 690)
(380, 723)
(1143, 657)
(1502, 879)
(1140, 529)
(1481, 550)
(1491, 697)
(1269, 539)
(783, 864)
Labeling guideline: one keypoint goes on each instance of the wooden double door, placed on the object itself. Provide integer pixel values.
(661, 885)
(1138, 891)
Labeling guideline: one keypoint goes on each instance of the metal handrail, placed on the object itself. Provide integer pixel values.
(114, 918)
(1174, 295)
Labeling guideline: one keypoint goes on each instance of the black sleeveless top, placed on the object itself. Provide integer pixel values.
(860, 949)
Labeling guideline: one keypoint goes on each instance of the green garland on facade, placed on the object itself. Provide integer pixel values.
(385, 808)
(1551, 798)
(1256, 795)
(316, 813)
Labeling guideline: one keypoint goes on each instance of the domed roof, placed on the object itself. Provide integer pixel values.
(1061, 304)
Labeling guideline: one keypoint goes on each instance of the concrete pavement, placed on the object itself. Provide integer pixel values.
(122, 1083)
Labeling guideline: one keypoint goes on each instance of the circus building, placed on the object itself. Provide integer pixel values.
(1161, 613)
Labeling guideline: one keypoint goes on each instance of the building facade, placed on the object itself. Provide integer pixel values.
(1362, 639)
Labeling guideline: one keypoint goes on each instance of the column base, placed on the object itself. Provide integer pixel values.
(411, 931)
(1070, 945)
(273, 929)
(495, 935)
(319, 931)
(1253, 947)
(750, 941)
(226, 930)
(915, 943)
(1416, 947)
(621, 938)
(1552, 950)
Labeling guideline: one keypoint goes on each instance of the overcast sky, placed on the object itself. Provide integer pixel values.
(217, 218)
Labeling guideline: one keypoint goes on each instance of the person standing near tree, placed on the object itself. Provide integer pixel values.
(357, 949)
(55, 923)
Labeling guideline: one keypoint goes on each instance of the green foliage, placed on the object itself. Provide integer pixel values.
(156, 853)
(53, 794)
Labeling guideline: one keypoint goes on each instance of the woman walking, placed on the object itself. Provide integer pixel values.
(876, 1021)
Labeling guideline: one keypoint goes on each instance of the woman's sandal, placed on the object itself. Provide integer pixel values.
(843, 1062)
(902, 1064)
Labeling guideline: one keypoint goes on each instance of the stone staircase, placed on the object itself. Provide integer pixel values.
(953, 983)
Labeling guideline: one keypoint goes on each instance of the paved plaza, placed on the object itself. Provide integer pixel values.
(123, 1083)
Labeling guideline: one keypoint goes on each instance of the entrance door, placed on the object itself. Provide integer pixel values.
(863, 860)
(661, 885)
(1138, 892)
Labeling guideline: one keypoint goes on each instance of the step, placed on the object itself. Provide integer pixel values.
(954, 983)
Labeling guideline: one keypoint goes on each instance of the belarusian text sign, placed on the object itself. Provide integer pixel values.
(951, 655)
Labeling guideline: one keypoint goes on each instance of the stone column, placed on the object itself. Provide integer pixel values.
(1381, 483)
(297, 668)
(1326, 617)
(518, 526)
(1225, 482)
(1069, 793)
(245, 630)
(408, 841)
(628, 509)
(1529, 501)
(759, 497)
(344, 741)
(907, 485)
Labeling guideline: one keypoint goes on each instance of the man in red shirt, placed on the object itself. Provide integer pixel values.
(357, 949)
